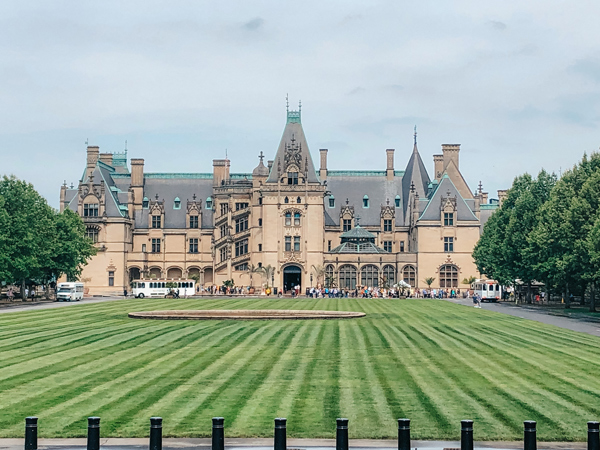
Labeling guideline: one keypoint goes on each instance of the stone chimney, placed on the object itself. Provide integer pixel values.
(220, 171)
(63, 193)
(323, 170)
(438, 166)
(92, 159)
(450, 152)
(502, 195)
(106, 158)
(484, 198)
(137, 182)
(390, 164)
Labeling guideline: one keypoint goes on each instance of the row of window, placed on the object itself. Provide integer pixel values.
(371, 276)
(156, 222)
(365, 201)
(176, 203)
(288, 243)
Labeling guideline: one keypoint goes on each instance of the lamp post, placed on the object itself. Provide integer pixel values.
(273, 280)
(311, 280)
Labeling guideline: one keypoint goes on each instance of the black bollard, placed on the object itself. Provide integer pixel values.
(403, 434)
(593, 436)
(93, 437)
(466, 435)
(529, 438)
(31, 433)
(280, 434)
(155, 433)
(218, 434)
(341, 435)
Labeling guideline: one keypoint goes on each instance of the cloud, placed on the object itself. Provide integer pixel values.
(357, 90)
(497, 25)
(254, 24)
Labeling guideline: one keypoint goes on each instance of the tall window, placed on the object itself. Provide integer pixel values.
(260, 247)
(194, 245)
(329, 280)
(402, 246)
(347, 225)
(222, 254)
(288, 219)
(90, 210)
(224, 208)
(241, 247)
(409, 275)
(260, 222)
(155, 245)
(331, 201)
(292, 178)
(448, 244)
(369, 276)
(397, 201)
(193, 221)
(92, 233)
(448, 276)
(387, 225)
(156, 222)
(239, 206)
(241, 224)
(448, 219)
(224, 230)
(328, 246)
(347, 277)
(111, 278)
(366, 201)
(145, 203)
(288, 243)
(387, 246)
(260, 200)
(209, 203)
(296, 243)
(297, 219)
(389, 275)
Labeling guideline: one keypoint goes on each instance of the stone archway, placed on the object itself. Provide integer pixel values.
(292, 276)
(134, 274)
(174, 272)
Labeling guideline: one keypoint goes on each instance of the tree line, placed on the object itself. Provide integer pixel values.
(38, 244)
(547, 230)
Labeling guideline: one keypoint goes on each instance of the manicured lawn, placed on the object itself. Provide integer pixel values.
(428, 360)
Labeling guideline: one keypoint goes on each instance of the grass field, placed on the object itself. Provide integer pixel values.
(431, 361)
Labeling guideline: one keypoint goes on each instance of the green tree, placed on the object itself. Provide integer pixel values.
(429, 281)
(319, 272)
(252, 269)
(268, 271)
(469, 280)
(25, 252)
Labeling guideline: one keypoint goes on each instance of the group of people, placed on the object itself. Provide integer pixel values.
(439, 293)
(29, 293)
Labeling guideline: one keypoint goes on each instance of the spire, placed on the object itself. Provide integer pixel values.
(415, 138)
(415, 179)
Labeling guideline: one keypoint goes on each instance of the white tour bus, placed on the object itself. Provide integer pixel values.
(158, 288)
(69, 291)
(488, 290)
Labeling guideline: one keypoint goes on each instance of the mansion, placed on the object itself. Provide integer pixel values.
(313, 225)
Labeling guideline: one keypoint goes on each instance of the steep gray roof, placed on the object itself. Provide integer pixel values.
(446, 188)
(354, 186)
(293, 137)
(416, 174)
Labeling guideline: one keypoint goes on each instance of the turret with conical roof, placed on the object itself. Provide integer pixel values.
(415, 177)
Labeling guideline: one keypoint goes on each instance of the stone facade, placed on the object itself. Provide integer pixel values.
(342, 228)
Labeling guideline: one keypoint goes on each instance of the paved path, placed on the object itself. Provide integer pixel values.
(537, 314)
(267, 444)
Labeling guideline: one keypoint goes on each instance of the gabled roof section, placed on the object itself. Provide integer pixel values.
(415, 174)
(446, 188)
(293, 151)
(458, 180)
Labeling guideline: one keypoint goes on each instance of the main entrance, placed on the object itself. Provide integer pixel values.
(292, 277)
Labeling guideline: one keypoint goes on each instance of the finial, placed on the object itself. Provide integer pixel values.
(86, 141)
(65, 183)
(287, 103)
(72, 185)
(448, 193)
(357, 221)
(156, 197)
(415, 135)
(347, 201)
(299, 105)
(194, 197)
(225, 153)
(293, 138)
(480, 187)
(412, 186)
(125, 145)
(261, 156)
(388, 202)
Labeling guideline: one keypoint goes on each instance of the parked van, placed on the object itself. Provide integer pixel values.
(69, 292)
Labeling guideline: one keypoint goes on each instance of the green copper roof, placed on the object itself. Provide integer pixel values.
(362, 173)
(357, 233)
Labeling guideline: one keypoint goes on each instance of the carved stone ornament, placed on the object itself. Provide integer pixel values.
(293, 154)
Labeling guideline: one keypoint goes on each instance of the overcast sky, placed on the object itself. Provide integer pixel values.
(516, 83)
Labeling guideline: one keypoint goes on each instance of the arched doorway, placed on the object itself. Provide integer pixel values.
(292, 277)
(174, 272)
(134, 274)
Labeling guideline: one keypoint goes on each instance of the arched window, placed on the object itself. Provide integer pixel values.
(297, 219)
(366, 201)
(409, 275)
(288, 219)
(177, 203)
(331, 201)
(389, 275)
(397, 201)
(298, 200)
(286, 200)
(92, 233)
(448, 276)
(369, 276)
(347, 277)
(329, 279)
